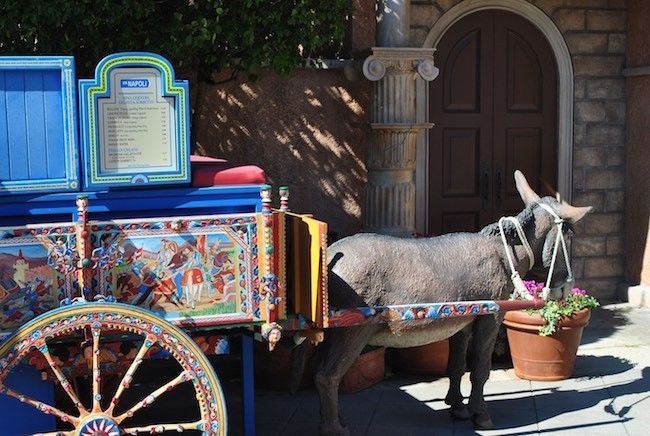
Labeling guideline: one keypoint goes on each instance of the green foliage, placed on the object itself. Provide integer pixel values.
(201, 35)
(553, 310)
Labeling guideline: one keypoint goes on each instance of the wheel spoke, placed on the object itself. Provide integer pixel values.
(97, 395)
(128, 377)
(159, 428)
(65, 384)
(45, 408)
(182, 377)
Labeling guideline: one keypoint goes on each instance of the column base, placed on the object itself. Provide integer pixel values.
(639, 295)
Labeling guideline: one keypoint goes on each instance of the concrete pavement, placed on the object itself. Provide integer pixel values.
(609, 394)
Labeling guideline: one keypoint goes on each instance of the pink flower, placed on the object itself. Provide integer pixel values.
(578, 291)
(533, 287)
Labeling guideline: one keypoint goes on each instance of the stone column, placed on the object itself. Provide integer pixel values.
(390, 197)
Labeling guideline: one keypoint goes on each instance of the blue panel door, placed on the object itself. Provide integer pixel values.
(38, 125)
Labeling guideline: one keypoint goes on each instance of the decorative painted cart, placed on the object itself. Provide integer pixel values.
(138, 266)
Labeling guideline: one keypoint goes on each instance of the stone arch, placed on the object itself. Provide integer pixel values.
(565, 88)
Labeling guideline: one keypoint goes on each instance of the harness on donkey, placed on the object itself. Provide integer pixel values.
(519, 287)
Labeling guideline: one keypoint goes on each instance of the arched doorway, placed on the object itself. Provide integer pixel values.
(495, 109)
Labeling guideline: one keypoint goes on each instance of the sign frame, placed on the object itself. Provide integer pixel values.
(124, 170)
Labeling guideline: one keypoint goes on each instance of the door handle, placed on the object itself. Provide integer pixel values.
(485, 186)
(498, 188)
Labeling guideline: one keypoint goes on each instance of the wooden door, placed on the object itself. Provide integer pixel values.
(494, 109)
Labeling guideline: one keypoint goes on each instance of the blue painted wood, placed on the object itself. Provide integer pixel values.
(4, 140)
(131, 204)
(18, 418)
(248, 384)
(38, 125)
(35, 125)
(54, 133)
(16, 121)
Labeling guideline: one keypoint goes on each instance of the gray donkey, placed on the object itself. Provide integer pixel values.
(370, 269)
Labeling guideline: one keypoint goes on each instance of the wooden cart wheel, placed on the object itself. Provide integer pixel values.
(96, 320)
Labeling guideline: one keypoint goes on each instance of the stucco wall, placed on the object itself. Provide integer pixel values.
(306, 130)
(595, 33)
(309, 130)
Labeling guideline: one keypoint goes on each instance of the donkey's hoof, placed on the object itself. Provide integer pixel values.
(460, 412)
(482, 422)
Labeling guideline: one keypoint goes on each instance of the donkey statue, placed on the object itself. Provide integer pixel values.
(370, 269)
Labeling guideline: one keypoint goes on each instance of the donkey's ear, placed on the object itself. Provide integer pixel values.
(572, 213)
(525, 191)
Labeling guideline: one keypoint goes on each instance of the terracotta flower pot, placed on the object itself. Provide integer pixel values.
(367, 370)
(536, 357)
(430, 359)
(273, 369)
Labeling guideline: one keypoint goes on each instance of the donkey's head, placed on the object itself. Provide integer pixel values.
(550, 217)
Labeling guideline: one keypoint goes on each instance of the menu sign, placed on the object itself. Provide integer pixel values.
(134, 123)
(137, 123)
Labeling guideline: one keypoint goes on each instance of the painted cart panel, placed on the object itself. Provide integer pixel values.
(193, 271)
(37, 271)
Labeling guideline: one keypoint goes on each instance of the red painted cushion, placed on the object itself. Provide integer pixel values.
(209, 171)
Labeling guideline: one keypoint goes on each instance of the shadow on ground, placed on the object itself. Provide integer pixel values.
(518, 407)
(605, 323)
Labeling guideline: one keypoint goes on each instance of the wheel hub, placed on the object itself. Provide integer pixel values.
(100, 425)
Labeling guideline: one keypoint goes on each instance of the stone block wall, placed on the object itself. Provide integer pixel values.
(595, 33)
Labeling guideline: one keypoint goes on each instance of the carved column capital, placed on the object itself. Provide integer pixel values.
(391, 60)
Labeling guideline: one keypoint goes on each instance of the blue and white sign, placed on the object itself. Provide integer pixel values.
(135, 123)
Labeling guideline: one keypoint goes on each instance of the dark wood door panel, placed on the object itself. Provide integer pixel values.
(494, 111)
(463, 61)
(523, 151)
(459, 222)
(524, 75)
(524, 111)
(461, 141)
(460, 159)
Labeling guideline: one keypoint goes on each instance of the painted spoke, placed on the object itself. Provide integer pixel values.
(97, 395)
(128, 377)
(182, 377)
(45, 408)
(159, 428)
(65, 384)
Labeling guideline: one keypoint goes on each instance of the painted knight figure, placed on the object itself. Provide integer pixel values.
(375, 270)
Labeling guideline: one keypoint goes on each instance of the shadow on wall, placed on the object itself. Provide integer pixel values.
(307, 130)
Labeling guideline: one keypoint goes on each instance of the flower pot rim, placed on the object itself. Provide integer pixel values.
(523, 319)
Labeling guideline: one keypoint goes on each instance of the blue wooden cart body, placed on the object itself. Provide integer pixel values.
(40, 175)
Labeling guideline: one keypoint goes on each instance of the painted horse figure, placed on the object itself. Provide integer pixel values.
(369, 269)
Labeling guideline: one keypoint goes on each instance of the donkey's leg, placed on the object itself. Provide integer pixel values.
(485, 331)
(455, 370)
(342, 347)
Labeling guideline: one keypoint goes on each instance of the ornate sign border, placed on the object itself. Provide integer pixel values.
(90, 90)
